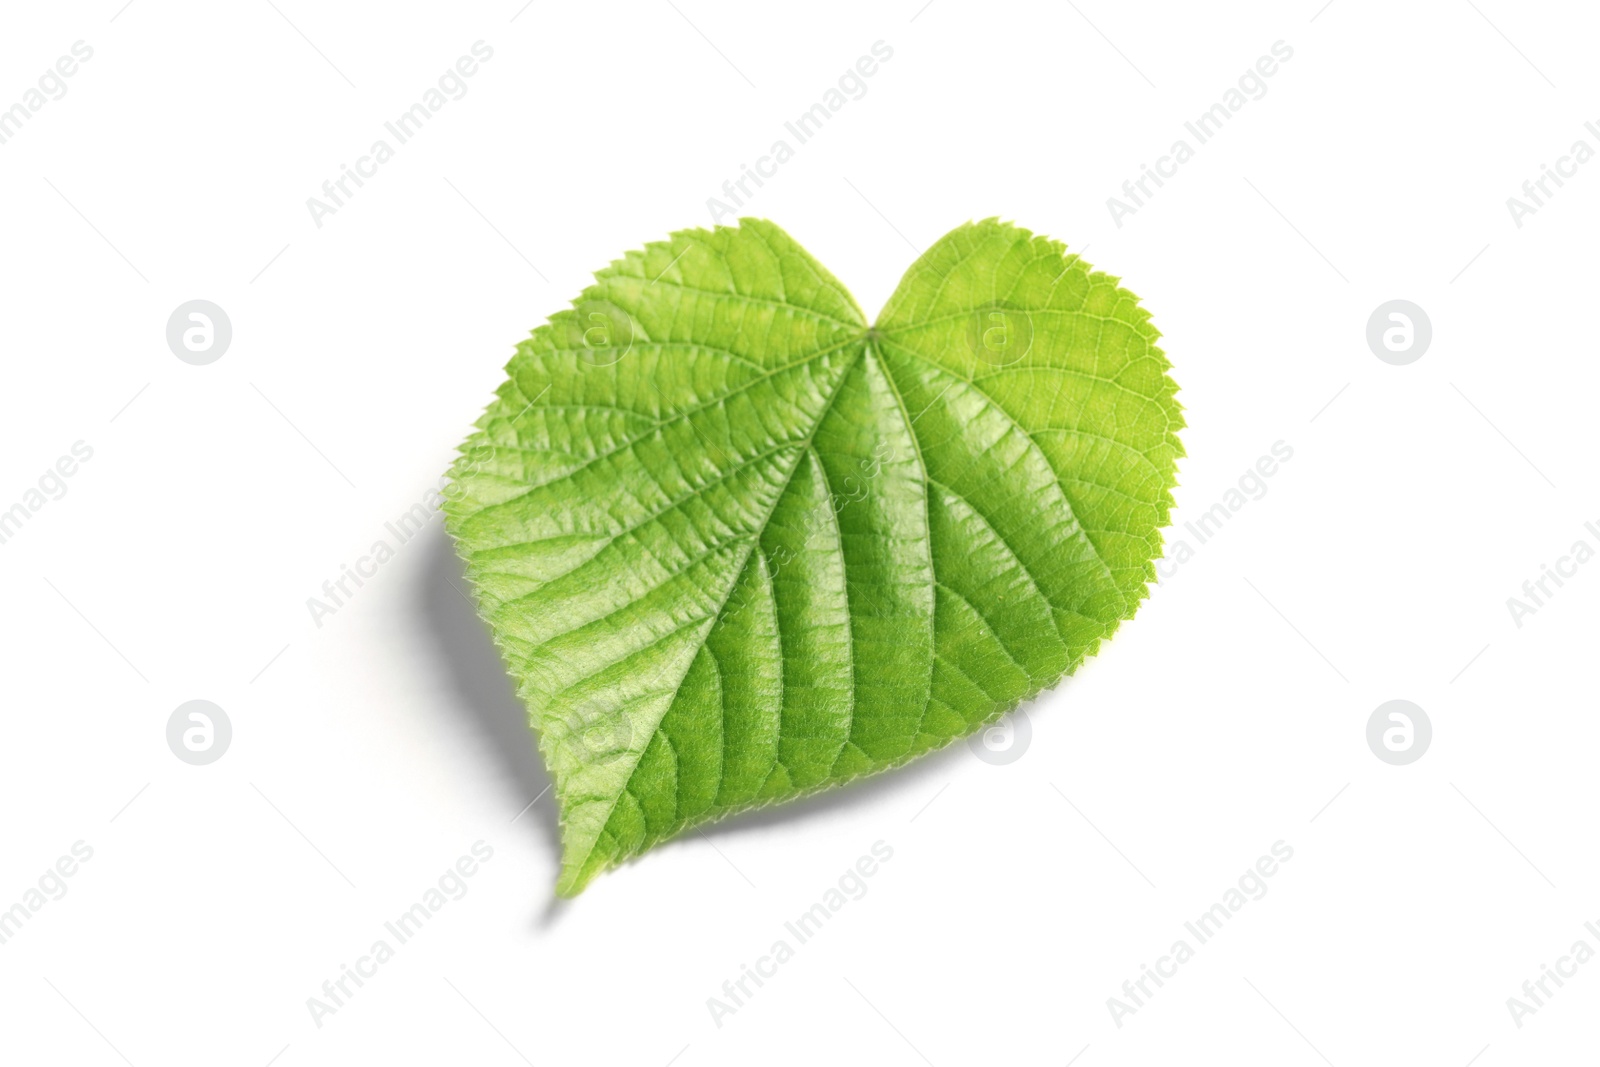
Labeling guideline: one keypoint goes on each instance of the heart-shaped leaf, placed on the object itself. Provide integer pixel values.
(737, 546)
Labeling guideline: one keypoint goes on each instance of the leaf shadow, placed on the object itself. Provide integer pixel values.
(486, 699)
(909, 782)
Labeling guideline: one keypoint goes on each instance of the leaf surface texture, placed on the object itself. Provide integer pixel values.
(737, 546)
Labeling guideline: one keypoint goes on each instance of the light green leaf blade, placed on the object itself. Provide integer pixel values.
(736, 546)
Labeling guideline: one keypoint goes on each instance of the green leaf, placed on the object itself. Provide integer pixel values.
(736, 546)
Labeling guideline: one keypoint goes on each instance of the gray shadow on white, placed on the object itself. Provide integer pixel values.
(487, 699)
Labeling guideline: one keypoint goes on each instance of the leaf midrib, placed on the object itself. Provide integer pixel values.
(755, 540)
(871, 340)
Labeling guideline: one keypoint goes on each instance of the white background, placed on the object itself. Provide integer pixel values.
(368, 754)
